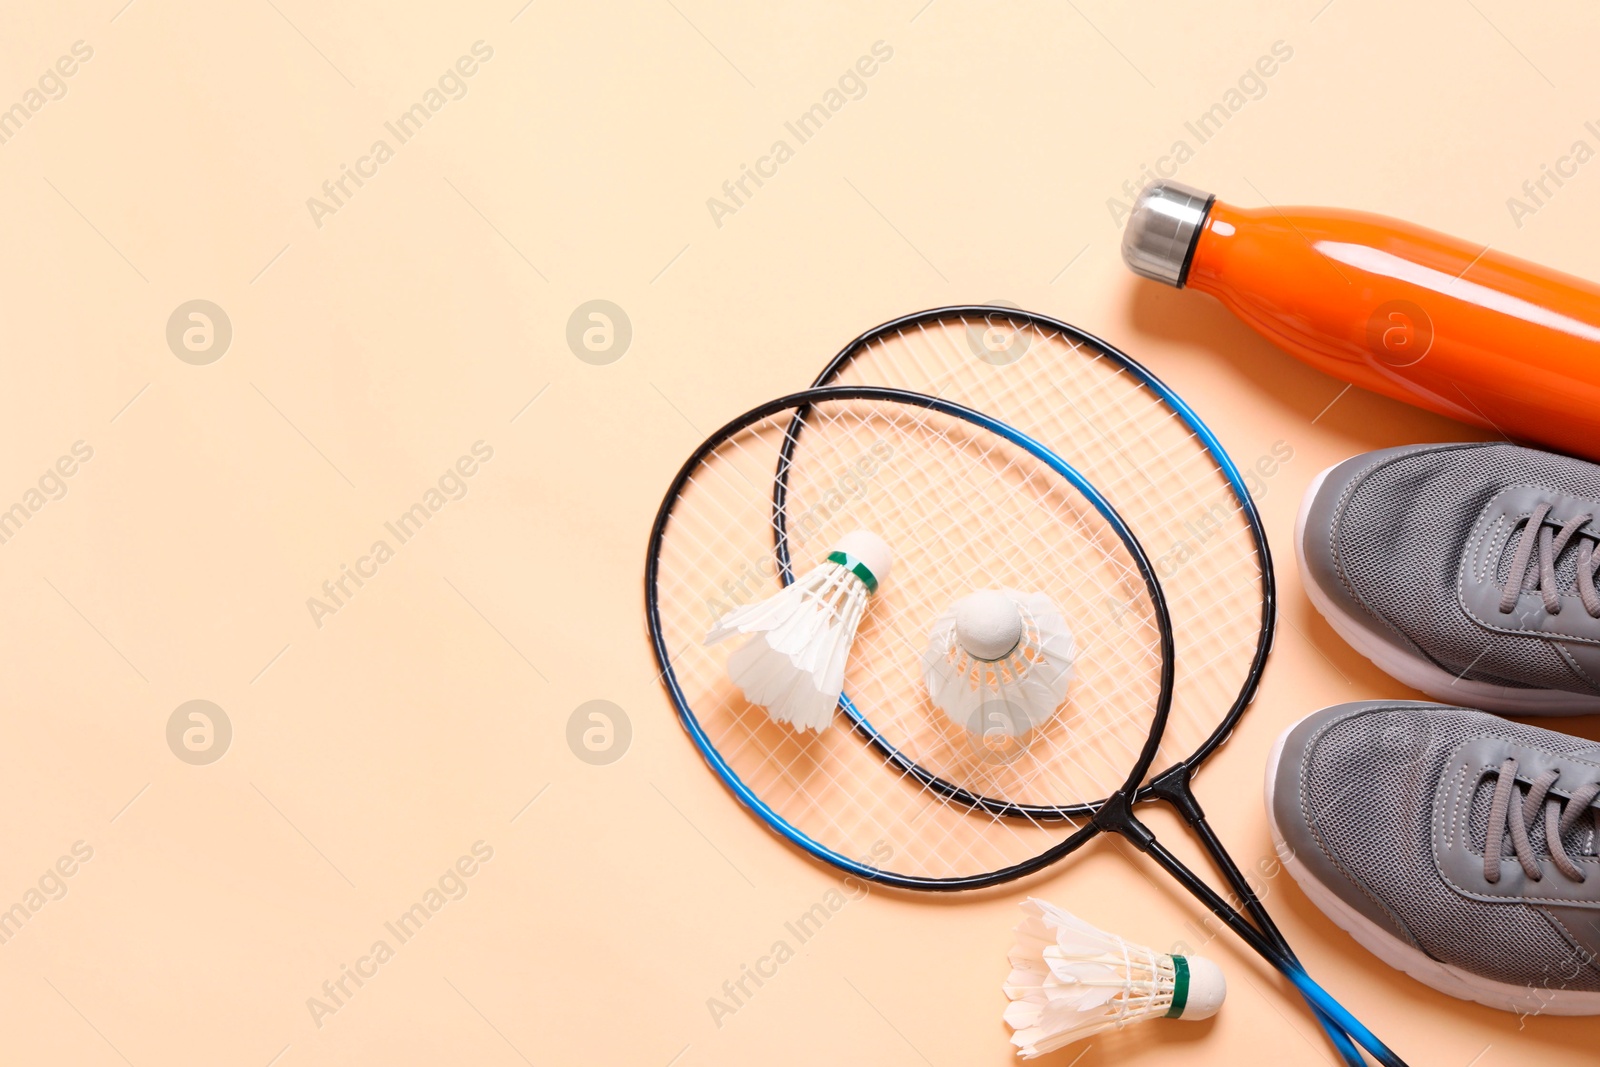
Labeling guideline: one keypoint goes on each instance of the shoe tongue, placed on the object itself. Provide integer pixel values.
(1484, 573)
(1578, 841)
(1478, 820)
(1566, 564)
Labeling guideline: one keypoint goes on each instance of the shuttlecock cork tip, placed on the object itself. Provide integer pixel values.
(988, 624)
(1202, 986)
(869, 550)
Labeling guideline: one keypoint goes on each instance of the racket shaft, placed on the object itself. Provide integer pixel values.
(1252, 903)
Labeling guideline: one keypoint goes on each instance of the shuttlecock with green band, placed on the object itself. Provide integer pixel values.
(1069, 980)
(794, 663)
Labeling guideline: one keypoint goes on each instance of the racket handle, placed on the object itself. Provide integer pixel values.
(1172, 786)
(1325, 1006)
(1432, 320)
(1335, 1012)
(1348, 1050)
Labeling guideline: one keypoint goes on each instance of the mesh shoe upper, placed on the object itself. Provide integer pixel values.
(1357, 798)
(1390, 533)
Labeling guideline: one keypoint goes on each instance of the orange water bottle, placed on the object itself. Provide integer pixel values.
(1446, 324)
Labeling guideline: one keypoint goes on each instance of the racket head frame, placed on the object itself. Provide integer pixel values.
(1170, 783)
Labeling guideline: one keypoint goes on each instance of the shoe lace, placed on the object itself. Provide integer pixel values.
(1528, 574)
(1518, 819)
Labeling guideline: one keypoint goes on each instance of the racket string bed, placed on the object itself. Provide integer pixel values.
(1070, 392)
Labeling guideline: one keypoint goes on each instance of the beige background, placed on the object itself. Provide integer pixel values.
(371, 352)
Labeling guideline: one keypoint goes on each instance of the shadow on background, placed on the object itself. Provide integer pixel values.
(1197, 321)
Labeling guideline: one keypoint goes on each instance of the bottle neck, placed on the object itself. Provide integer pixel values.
(1208, 261)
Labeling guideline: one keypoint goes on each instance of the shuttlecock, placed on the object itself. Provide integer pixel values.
(999, 661)
(794, 665)
(1069, 980)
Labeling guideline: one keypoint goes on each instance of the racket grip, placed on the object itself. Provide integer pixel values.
(1336, 1013)
(1449, 325)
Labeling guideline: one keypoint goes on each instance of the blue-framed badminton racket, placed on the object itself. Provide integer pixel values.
(1179, 490)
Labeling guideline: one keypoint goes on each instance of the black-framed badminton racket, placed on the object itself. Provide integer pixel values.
(1175, 484)
(930, 801)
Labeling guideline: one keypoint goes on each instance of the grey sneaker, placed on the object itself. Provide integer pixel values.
(1452, 844)
(1463, 570)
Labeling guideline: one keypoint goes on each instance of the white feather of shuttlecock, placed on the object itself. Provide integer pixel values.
(1070, 980)
(794, 665)
(1017, 690)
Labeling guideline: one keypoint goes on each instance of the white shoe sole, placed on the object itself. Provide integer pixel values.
(1419, 673)
(1451, 981)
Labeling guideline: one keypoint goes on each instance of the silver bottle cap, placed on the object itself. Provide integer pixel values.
(1162, 230)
